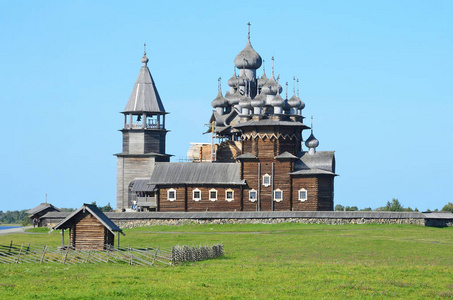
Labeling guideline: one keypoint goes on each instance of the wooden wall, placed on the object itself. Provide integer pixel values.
(129, 168)
(319, 191)
(140, 141)
(88, 233)
(184, 199)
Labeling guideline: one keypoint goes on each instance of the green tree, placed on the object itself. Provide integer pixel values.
(448, 207)
(339, 207)
(395, 205)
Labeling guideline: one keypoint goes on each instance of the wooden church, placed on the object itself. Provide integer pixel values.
(269, 169)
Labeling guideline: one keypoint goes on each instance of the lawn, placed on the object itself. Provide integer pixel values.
(278, 261)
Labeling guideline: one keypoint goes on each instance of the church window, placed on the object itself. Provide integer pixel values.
(171, 195)
(266, 180)
(213, 195)
(302, 194)
(229, 195)
(252, 195)
(278, 195)
(196, 195)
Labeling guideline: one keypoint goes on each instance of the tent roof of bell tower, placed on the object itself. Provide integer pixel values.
(144, 96)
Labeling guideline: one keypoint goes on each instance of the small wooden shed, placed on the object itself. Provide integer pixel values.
(89, 229)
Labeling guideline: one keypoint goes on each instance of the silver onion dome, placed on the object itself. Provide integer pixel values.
(259, 101)
(219, 101)
(278, 101)
(248, 58)
(311, 142)
(245, 102)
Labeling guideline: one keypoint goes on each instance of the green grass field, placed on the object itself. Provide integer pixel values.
(261, 262)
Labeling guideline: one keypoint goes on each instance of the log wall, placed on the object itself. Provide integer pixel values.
(88, 233)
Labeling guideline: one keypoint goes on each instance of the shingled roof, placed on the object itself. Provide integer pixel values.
(40, 208)
(321, 162)
(144, 96)
(196, 173)
(96, 212)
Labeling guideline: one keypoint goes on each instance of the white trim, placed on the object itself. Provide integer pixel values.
(299, 197)
(281, 193)
(216, 193)
(226, 195)
(269, 182)
(256, 195)
(168, 195)
(193, 195)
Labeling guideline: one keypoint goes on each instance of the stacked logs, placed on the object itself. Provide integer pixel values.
(186, 253)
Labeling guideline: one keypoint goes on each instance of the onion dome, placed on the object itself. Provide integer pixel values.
(248, 58)
(233, 81)
(245, 102)
(259, 101)
(278, 101)
(295, 102)
(263, 79)
(302, 104)
(219, 101)
(144, 59)
(311, 142)
(285, 105)
(272, 87)
(233, 99)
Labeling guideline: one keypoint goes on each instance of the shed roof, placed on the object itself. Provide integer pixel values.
(196, 173)
(40, 208)
(96, 212)
(143, 185)
(144, 96)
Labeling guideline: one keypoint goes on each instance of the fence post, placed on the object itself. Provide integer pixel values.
(131, 259)
(20, 251)
(43, 253)
(10, 245)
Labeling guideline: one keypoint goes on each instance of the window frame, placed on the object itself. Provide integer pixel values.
(256, 195)
(281, 193)
(264, 181)
(193, 195)
(226, 195)
(299, 197)
(216, 194)
(168, 194)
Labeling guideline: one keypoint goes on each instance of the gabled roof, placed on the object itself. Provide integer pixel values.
(196, 173)
(286, 155)
(96, 212)
(247, 156)
(40, 208)
(144, 96)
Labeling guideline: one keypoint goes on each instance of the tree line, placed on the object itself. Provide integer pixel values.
(393, 205)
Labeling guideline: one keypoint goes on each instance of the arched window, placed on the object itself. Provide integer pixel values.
(253, 195)
(302, 195)
(196, 195)
(229, 195)
(213, 194)
(278, 195)
(266, 180)
(171, 195)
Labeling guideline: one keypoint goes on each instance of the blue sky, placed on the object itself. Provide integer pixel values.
(376, 75)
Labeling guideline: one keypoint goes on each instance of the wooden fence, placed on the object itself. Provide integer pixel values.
(14, 254)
